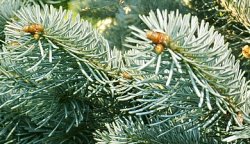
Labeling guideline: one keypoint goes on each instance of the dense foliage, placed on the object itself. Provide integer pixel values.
(173, 71)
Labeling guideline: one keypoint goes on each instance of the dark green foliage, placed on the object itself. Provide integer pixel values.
(124, 14)
(56, 3)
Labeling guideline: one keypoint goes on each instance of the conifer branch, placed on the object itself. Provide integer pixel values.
(195, 60)
(238, 9)
(176, 81)
(52, 71)
(134, 130)
(7, 10)
(225, 16)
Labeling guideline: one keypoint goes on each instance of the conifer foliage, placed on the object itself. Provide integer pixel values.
(175, 78)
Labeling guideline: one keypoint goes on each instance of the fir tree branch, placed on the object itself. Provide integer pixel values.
(7, 10)
(136, 131)
(223, 16)
(239, 10)
(53, 71)
(199, 56)
(239, 134)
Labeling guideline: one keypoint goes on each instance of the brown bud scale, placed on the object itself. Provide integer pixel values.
(126, 75)
(246, 51)
(240, 117)
(157, 37)
(159, 48)
(36, 36)
(33, 28)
